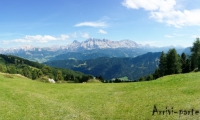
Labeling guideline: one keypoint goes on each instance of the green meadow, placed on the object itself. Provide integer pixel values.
(22, 98)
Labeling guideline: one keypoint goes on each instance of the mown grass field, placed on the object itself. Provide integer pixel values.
(21, 98)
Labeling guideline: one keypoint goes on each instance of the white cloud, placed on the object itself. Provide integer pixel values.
(151, 5)
(16, 41)
(64, 37)
(166, 11)
(170, 42)
(178, 18)
(195, 36)
(85, 35)
(92, 24)
(168, 36)
(37, 38)
(152, 43)
(102, 31)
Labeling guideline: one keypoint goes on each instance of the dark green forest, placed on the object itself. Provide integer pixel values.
(115, 67)
(33, 70)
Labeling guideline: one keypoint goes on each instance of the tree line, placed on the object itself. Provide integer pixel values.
(33, 70)
(173, 63)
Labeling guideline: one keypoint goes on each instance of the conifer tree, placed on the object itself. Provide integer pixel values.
(59, 76)
(156, 74)
(149, 77)
(173, 62)
(195, 57)
(188, 65)
(1, 68)
(162, 64)
(34, 74)
(183, 62)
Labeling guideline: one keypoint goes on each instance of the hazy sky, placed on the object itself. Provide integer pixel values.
(59, 22)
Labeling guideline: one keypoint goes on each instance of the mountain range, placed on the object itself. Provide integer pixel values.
(90, 47)
(99, 57)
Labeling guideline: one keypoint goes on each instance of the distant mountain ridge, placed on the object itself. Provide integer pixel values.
(102, 46)
(95, 53)
(89, 44)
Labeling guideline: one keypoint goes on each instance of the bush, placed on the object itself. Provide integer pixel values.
(44, 79)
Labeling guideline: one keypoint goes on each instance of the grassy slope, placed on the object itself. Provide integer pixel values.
(21, 98)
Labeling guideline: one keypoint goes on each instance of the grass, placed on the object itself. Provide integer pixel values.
(21, 98)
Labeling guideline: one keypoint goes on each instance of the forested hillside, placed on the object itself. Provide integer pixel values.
(33, 70)
(110, 68)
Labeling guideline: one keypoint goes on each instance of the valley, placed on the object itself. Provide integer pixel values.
(99, 57)
(114, 67)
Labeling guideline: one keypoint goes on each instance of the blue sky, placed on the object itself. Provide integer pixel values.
(60, 22)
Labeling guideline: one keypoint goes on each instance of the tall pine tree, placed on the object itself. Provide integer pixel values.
(195, 57)
(156, 74)
(173, 62)
(183, 62)
(162, 64)
(188, 65)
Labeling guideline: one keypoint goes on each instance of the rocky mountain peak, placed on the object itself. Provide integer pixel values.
(93, 43)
